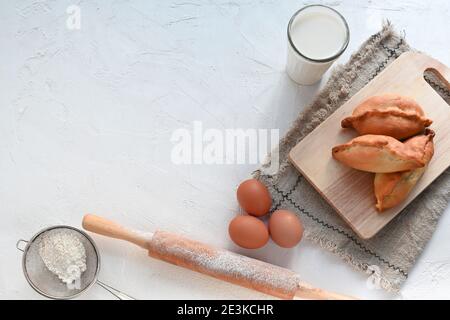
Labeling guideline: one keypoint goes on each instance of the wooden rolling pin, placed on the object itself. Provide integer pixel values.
(218, 263)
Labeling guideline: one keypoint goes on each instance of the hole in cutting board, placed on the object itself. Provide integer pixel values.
(438, 83)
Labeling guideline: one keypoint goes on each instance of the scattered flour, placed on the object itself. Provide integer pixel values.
(64, 255)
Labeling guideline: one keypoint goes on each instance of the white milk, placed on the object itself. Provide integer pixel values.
(317, 37)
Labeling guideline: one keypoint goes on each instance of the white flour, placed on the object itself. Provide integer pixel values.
(64, 255)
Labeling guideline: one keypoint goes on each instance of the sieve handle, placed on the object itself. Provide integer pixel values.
(116, 293)
(111, 229)
(19, 247)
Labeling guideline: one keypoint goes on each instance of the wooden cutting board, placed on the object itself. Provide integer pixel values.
(350, 191)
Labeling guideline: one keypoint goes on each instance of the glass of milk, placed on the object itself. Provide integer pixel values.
(317, 36)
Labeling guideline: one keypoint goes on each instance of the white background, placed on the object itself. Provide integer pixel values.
(86, 118)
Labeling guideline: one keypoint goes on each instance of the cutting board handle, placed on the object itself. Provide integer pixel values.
(441, 70)
(443, 73)
(111, 229)
(422, 63)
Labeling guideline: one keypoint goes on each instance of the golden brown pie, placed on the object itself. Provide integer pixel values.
(389, 114)
(393, 188)
(378, 153)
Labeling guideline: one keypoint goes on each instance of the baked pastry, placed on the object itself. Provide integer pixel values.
(378, 153)
(393, 188)
(389, 114)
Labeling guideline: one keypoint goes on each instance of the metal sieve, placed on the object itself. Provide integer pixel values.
(47, 283)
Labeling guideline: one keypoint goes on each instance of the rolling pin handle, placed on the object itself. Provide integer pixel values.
(111, 229)
(308, 292)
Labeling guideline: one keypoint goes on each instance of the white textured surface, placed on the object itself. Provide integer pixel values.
(86, 117)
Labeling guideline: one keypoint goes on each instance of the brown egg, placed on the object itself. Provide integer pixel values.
(248, 232)
(254, 197)
(285, 228)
